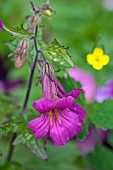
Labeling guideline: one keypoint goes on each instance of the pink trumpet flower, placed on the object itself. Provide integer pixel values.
(61, 117)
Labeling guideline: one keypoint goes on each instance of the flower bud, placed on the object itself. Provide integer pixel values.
(23, 50)
(19, 62)
(46, 10)
(33, 20)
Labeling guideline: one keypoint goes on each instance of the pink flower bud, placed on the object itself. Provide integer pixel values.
(19, 62)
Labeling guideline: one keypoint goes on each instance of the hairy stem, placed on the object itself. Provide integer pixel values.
(11, 148)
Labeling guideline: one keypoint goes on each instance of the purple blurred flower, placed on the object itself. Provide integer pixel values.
(104, 92)
(108, 4)
(9, 85)
(87, 145)
(1, 25)
(87, 81)
(61, 117)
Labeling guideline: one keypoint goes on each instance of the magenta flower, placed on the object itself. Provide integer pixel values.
(87, 81)
(104, 92)
(88, 144)
(1, 25)
(61, 118)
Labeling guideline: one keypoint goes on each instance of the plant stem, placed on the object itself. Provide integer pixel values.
(11, 149)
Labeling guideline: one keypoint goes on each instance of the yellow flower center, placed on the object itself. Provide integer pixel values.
(54, 114)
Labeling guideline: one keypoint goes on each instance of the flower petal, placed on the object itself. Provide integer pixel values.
(58, 134)
(103, 93)
(64, 102)
(39, 126)
(90, 59)
(43, 105)
(97, 65)
(105, 59)
(75, 93)
(77, 109)
(109, 83)
(71, 122)
(98, 51)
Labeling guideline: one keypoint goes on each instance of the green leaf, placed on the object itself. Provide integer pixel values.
(81, 162)
(57, 53)
(8, 106)
(41, 43)
(12, 166)
(102, 115)
(84, 132)
(13, 44)
(37, 146)
(8, 127)
(17, 32)
(101, 158)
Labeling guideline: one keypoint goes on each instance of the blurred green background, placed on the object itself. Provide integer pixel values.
(80, 25)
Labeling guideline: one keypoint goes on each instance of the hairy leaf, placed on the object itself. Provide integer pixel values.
(8, 127)
(37, 146)
(102, 115)
(17, 32)
(57, 53)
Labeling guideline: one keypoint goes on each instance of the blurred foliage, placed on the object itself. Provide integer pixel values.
(81, 26)
(8, 105)
(101, 158)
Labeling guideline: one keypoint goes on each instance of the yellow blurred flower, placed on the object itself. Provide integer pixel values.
(98, 59)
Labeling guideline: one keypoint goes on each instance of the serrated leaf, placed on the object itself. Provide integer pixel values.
(84, 132)
(8, 127)
(12, 166)
(37, 146)
(102, 115)
(101, 158)
(57, 53)
(17, 32)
